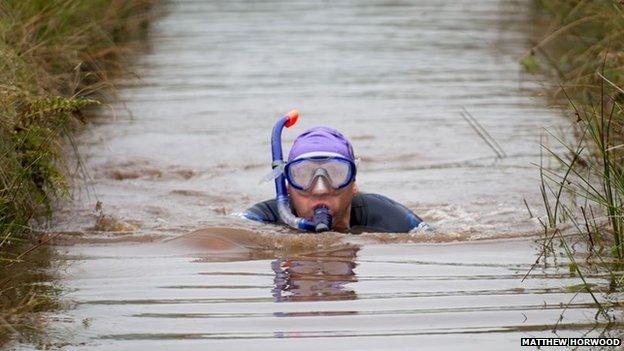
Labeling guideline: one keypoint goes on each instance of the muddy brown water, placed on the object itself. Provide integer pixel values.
(165, 262)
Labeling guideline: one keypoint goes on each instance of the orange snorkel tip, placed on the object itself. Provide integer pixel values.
(292, 118)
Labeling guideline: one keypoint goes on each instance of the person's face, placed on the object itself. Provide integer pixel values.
(320, 193)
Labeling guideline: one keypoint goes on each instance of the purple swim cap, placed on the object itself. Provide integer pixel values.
(321, 141)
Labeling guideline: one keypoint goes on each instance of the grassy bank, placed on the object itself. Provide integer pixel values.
(580, 47)
(55, 59)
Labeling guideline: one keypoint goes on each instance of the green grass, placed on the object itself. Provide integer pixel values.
(581, 49)
(56, 57)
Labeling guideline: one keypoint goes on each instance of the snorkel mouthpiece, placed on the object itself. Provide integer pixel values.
(322, 219)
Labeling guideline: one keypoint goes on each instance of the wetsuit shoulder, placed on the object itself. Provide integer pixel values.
(265, 211)
(374, 212)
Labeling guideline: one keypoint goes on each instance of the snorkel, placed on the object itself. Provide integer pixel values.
(322, 219)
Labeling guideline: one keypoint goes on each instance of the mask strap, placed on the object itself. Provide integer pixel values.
(275, 172)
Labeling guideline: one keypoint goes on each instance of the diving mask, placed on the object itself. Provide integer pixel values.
(302, 172)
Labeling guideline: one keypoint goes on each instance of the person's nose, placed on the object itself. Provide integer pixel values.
(320, 186)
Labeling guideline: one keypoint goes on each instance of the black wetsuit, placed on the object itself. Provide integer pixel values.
(369, 213)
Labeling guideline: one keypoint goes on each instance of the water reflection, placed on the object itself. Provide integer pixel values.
(28, 284)
(322, 276)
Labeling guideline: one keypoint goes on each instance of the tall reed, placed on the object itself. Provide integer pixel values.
(582, 49)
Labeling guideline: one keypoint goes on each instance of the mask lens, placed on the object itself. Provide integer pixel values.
(338, 173)
(301, 173)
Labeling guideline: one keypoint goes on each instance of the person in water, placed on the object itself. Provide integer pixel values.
(320, 173)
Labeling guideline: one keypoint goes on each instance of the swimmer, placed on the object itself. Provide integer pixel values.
(321, 190)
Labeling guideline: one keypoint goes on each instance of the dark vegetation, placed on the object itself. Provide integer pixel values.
(56, 58)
